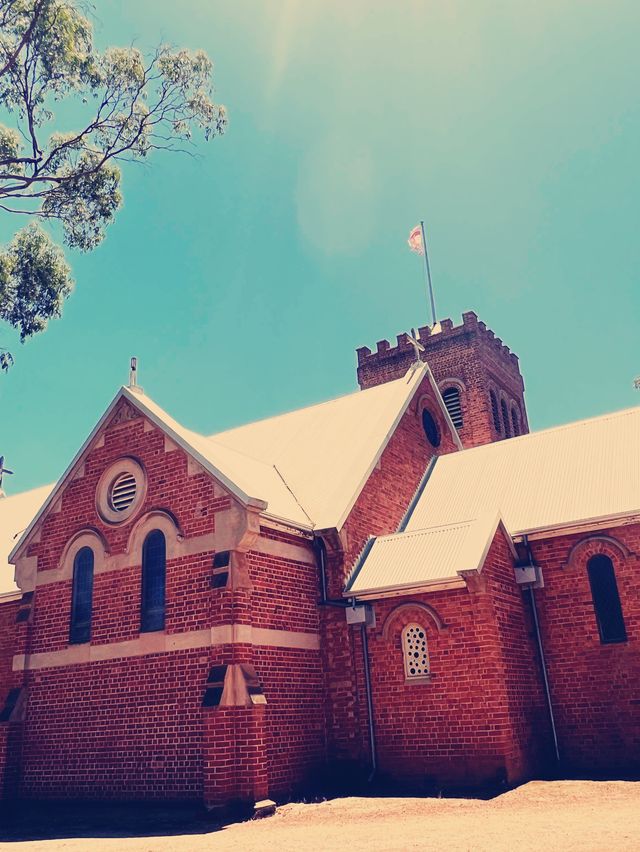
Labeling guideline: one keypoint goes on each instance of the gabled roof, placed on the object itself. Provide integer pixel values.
(422, 558)
(16, 512)
(584, 472)
(243, 477)
(326, 453)
(305, 468)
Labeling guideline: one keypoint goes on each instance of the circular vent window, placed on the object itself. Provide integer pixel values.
(123, 492)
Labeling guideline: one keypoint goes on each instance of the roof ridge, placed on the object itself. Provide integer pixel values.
(357, 392)
(558, 428)
(433, 528)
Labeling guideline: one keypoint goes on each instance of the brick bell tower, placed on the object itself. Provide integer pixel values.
(479, 377)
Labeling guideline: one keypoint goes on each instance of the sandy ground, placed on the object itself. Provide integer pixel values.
(541, 816)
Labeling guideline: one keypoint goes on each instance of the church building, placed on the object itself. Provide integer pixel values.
(402, 584)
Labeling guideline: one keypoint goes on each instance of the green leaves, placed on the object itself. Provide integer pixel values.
(87, 202)
(34, 281)
(136, 105)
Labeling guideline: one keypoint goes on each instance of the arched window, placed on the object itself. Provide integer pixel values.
(451, 397)
(505, 418)
(515, 419)
(495, 413)
(606, 600)
(81, 597)
(430, 428)
(414, 651)
(154, 570)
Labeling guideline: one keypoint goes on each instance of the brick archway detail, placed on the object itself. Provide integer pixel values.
(86, 537)
(413, 605)
(156, 519)
(597, 544)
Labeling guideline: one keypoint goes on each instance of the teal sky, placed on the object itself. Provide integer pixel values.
(244, 279)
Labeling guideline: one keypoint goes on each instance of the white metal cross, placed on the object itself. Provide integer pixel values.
(417, 346)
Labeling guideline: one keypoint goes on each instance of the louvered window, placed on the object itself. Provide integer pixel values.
(123, 492)
(515, 420)
(154, 570)
(606, 600)
(505, 418)
(82, 597)
(452, 400)
(495, 413)
(415, 652)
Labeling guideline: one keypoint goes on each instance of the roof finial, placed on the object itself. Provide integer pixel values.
(417, 346)
(3, 470)
(133, 376)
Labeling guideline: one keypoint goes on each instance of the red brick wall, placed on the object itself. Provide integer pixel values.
(285, 597)
(595, 687)
(470, 353)
(8, 613)
(477, 719)
(134, 727)
(377, 511)
(527, 730)
(129, 728)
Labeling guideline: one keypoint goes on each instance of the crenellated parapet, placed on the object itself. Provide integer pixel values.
(482, 374)
(427, 336)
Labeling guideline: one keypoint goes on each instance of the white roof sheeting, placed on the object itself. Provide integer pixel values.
(325, 453)
(249, 478)
(581, 472)
(305, 468)
(16, 512)
(423, 557)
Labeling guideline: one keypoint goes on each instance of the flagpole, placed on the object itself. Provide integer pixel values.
(426, 263)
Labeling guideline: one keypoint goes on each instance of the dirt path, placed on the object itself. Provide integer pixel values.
(541, 816)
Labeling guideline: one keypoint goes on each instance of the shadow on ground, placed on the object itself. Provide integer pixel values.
(56, 820)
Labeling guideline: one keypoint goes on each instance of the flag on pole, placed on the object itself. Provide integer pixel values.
(415, 240)
(418, 244)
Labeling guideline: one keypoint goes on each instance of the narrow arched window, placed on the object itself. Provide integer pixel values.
(415, 652)
(515, 420)
(81, 597)
(505, 418)
(451, 397)
(154, 571)
(430, 428)
(495, 413)
(606, 600)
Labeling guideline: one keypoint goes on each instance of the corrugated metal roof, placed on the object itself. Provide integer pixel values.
(567, 475)
(326, 452)
(247, 477)
(305, 468)
(423, 557)
(16, 512)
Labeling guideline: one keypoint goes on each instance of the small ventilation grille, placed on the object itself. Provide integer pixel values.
(416, 657)
(123, 492)
(452, 400)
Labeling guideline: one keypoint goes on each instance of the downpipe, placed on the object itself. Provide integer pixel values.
(367, 683)
(544, 672)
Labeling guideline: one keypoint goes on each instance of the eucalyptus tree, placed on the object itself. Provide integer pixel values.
(125, 106)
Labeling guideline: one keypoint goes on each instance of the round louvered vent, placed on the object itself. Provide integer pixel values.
(122, 492)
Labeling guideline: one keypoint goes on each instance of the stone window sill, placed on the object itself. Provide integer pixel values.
(415, 681)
